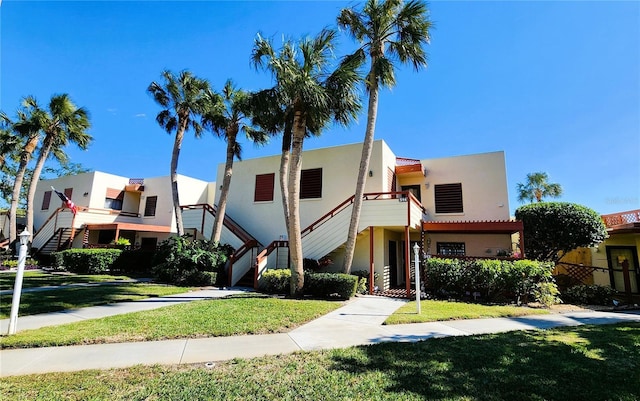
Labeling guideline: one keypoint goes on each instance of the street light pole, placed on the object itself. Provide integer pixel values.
(17, 288)
(416, 258)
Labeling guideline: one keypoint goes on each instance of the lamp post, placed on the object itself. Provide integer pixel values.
(416, 258)
(17, 288)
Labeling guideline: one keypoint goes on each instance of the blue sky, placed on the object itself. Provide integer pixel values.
(556, 85)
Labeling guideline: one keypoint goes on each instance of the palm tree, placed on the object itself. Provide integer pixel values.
(26, 127)
(386, 30)
(309, 97)
(536, 188)
(9, 142)
(227, 121)
(64, 122)
(183, 97)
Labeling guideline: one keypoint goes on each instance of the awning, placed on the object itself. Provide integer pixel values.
(130, 227)
(473, 227)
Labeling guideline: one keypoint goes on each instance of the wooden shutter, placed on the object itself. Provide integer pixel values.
(150, 206)
(311, 183)
(448, 198)
(46, 200)
(264, 187)
(68, 192)
(391, 178)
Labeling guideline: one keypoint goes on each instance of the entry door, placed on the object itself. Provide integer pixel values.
(393, 264)
(415, 190)
(618, 257)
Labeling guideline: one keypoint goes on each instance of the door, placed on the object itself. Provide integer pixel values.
(619, 259)
(393, 264)
(414, 189)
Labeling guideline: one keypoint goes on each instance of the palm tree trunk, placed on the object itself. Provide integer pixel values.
(284, 173)
(37, 170)
(177, 144)
(295, 239)
(17, 185)
(226, 184)
(367, 148)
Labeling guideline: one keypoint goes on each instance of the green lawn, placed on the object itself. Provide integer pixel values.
(245, 314)
(32, 303)
(432, 311)
(42, 279)
(568, 364)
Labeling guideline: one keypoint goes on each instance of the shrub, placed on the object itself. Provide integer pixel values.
(493, 279)
(137, 261)
(546, 294)
(552, 229)
(183, 260)
(86, 261)
(363, 280)
(275, 281)
(589, 295)
(330, 285)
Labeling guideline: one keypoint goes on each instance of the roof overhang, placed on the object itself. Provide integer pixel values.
(629, 228)
(130, 227)
(473, 227)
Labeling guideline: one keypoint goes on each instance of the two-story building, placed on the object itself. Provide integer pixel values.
(452, 206)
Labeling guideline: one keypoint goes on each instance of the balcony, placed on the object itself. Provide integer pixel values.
(135, 185)
(409, 167)
(623, 221)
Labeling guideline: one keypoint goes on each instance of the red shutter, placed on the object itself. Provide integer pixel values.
(264, 187)
(311, 184)
(46, 200)
(448, 198)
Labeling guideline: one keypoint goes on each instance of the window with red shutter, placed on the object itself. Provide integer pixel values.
(448, 198)
(264, 187)
(46, 200)
(311, 184)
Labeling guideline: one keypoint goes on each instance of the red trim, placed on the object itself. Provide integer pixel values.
(478, 227)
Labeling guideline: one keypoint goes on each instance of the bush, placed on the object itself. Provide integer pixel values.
(589, 295)
(363, 280)
(184, 261)
(552, 229)
(330, 285)
(86, 261)
(493, 279)
(275, 281)
(546, 294)
(137, 261)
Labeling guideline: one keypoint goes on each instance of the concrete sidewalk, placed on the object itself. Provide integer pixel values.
(359, 322)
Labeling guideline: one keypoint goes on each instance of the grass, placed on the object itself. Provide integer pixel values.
(42, 279)
(570, 364)
(432, 311)
(32, 303)
(219, 317)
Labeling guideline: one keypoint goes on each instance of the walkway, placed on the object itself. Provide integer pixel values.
(359, 322)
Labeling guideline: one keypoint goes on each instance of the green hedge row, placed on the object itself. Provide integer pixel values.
(321, 285)
(492, 280)
(85, 261)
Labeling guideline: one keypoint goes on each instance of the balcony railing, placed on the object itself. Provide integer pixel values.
(617, 219)
(409, 166)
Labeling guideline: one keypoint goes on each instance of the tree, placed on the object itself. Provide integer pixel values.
(26, 126)
(551, 229)
(227, 121)
(64, 122)
(184, 98)
(387, 31)
(538, 188)
(312, 96)
(9, 142)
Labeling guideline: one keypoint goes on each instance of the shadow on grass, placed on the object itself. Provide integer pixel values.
(572, 363)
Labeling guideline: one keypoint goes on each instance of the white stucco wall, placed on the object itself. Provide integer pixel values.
(265, 220)
(484, 186)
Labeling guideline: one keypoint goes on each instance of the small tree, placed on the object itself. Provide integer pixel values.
(551, 229)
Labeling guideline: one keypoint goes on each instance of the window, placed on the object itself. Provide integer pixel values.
(46, 200)
(450, 248)
(113, 204)
(311, 183)
(448, 198)
(113, 199)
(264, 187)
(150, 206)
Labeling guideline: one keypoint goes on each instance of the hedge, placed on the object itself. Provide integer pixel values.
(492, 280)
(321, 285)
(86, 261)
(135, 261)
